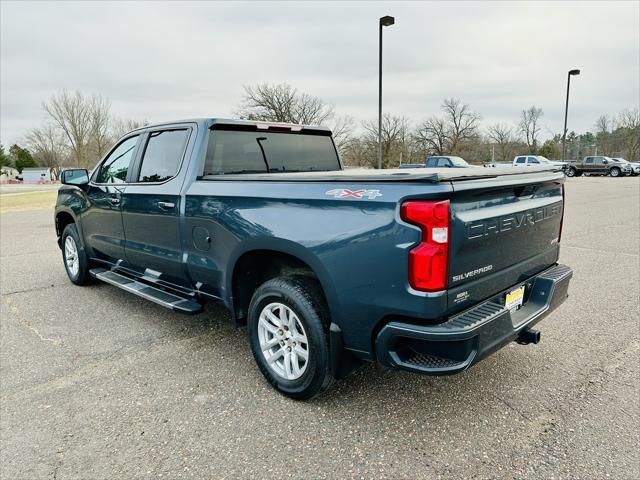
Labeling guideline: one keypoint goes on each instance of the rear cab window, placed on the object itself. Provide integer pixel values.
(235, 151)
(520, 160)
(162, 155)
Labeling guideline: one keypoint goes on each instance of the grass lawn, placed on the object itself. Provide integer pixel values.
(27, 201)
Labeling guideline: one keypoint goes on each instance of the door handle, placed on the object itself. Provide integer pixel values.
(166, 205)
(115, 201)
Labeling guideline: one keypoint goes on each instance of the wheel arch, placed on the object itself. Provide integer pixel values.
(260, 260)
(64, 217)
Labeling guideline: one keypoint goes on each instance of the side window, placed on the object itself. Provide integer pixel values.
(599, 161)
(114, 169)
(533, 160)
(520, 159)
(163, 155)
(443, 162)
(431, 162)
(588, 160)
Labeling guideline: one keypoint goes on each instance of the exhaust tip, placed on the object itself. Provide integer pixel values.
(528, 336)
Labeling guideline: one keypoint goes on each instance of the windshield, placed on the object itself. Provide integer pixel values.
(543, 159)
(238, 151)
(458, 162)
(621, 160)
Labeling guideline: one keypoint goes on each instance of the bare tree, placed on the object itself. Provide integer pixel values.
(530, 126)
(602, 124)
(396, 141)
(603, 135)
(48, 146)
(283, 103)
(462, 123)
(432, 137)
(504, 137)
(448, 134)
(72, 114)
(628, 130)
(120, 126)
(100, 120)
(342, 129)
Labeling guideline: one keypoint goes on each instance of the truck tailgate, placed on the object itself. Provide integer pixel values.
(503, 231)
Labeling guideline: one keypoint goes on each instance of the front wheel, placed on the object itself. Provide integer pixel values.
(75, 259)
(571, 172)
(288, 330)
(615, 172)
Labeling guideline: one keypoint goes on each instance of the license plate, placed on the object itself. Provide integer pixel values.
(514, 298)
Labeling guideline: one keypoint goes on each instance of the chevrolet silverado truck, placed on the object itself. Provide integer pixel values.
(424, 270)
(598, 165)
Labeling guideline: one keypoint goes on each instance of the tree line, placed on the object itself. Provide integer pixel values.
(79, 129)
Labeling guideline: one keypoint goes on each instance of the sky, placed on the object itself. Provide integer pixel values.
(166, 61)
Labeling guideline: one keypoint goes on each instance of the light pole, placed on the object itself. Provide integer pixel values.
(384, 22)
(566, 110)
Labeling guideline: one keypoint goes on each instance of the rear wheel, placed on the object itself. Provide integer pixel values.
(615, 172)
(75, 259)
(288, 330)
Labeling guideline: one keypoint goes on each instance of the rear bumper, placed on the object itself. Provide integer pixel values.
(474, 334)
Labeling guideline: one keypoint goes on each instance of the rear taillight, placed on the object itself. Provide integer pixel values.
(429, 261)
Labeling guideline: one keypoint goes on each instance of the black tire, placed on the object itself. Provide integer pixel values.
(578, 174)
(572, 172)
(82, 276)
(615, 172)
(304, 297)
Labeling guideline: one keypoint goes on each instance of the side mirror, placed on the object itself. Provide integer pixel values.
(606, 162)
(74, 176)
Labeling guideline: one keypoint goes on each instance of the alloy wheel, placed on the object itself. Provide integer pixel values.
(71, 256)
(283, 341)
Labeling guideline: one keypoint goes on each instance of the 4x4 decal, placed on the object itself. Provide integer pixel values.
(358, 194)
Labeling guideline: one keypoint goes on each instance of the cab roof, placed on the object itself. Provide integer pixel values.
(258, 124)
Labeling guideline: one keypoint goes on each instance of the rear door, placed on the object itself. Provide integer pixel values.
(503, 230)
(589, 165)
(102, 221)
(151, 204)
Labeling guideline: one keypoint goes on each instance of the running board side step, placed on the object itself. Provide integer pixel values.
(156, 295)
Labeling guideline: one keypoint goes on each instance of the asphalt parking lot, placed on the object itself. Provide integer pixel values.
(96, 383)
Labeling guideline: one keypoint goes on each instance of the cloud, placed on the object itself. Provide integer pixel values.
(160, 61)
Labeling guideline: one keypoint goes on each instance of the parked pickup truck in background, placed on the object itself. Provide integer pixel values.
(531, 161)
(426, 270)
(597, 165)
(441, 161)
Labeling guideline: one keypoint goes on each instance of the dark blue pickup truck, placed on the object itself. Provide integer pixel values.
(426, 270)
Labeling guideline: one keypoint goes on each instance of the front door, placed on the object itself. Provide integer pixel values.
(151, 206)
(102, 221)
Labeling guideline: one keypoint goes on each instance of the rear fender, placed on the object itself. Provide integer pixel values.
(280, 245)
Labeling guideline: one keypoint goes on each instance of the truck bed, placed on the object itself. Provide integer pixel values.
(420, 175)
